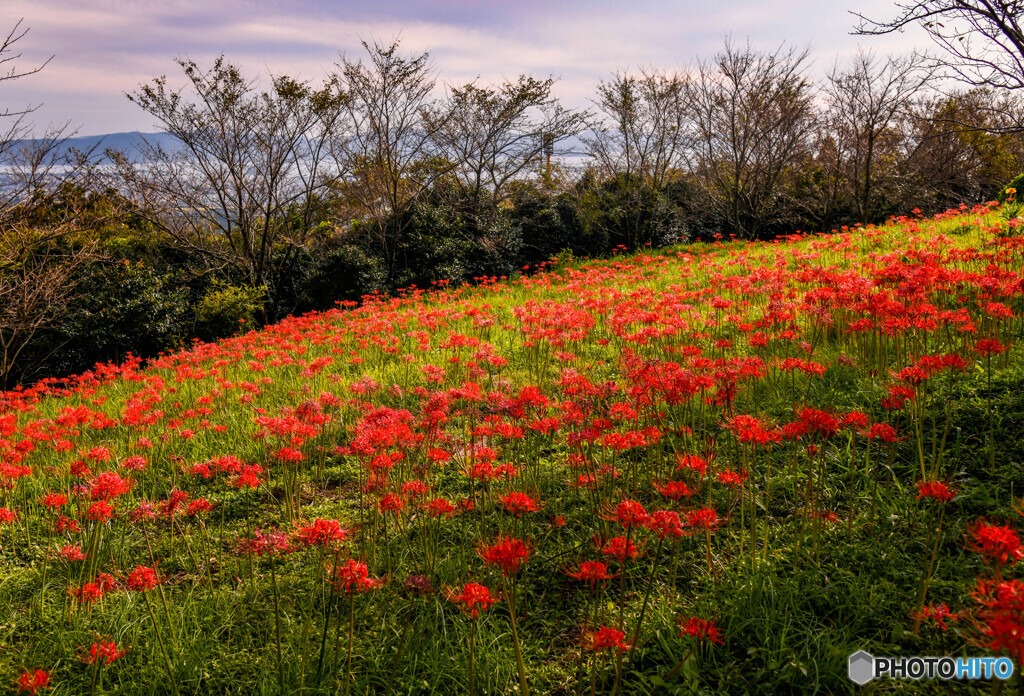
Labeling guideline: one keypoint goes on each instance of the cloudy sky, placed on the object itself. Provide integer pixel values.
(104, 48)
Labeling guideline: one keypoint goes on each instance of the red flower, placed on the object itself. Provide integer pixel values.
(86, 594)
(198, 506)
(936, 490)
(629, 513)
(606, 638)
(142, 579)
(391, 503)
(990, 346)
(54, 500)
(997, 544)
(33, 681)
(883, 432)
(474, 598)
(107, 486)
(72, 553)
(517, 503)
(731, 478)
(100, 511)
(591, 571)
(620, 548)
(692, 462)
(665, 523)
(674, 490)
(704, 518)
(322, 533)
(354, 576)
(938, 613)
(701, 629)
(506, 552)
(273, 543)
(439, 507)
(105, 652)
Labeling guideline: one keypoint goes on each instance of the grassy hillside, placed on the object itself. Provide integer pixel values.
(719, 468)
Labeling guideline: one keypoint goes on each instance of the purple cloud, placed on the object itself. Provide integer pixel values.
(105, 48)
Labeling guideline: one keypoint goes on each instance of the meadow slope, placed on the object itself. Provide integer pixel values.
(719, 468)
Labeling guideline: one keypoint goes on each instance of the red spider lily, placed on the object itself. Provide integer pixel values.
(248, 477)
(750, 430)
(321, 533)
(999, 595)
(353, 576)
(473, 599)
(439, 507)
(33, 681)
(142, 579)
(1004, 633)
(883, 432)
(86, 594)
(175, 501)
(72, 553)
(674, 490)
(935, 490)
(100, 511)
(99, 454)
(507, 553)
(665, 524)
(273, 543)
(104, 652)
(731, 478)
(7, 516)
(703, 518)
(107, 486)
(517, 503)
(199, 506)
(143, 512)
(54, 500)
(628, 513)
(415, 489)
(691, 462)
(591, 572)
(66, 524)
(606, 638)
(620, 548)
(939, 613)
(701, 629)
(999, 545)
(989, 346)
(391, 503)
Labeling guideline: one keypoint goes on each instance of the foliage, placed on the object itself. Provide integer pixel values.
(226, 308)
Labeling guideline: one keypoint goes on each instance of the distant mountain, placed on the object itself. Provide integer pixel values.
(569, 151)
(129, 143)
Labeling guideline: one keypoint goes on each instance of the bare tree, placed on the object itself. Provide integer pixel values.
(239, 188)
(753, 118)
(864, 103)
(963, 151)
(37, 271)
(493, 134)
(643, 128)
(388, 142)
(982, 39)
(9, 68)
(40, 250)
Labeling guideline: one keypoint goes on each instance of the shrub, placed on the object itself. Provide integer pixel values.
(225, 306)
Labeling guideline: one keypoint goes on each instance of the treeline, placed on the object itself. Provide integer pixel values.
(288, 196)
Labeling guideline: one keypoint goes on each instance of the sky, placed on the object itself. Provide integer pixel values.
(102, 49)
